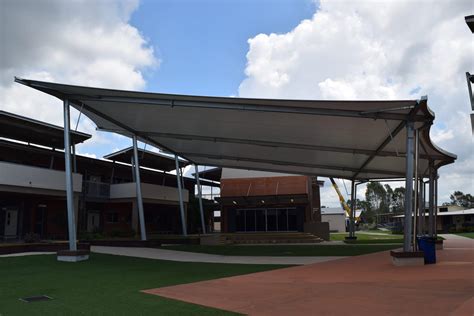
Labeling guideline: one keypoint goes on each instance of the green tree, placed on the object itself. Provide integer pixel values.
(460, 199)
(375, 195)
(398, 200)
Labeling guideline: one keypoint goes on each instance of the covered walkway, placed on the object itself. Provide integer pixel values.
(356, 140)
(362, 285)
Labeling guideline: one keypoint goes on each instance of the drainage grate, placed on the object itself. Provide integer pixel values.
(38, 298)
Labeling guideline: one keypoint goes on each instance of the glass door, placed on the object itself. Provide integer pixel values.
(260, 220)
(272, 220)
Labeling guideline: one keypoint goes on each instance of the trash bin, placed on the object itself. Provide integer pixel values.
(427, 244)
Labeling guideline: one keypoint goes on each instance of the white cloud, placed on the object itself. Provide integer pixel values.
(377, 50)
(78, 42)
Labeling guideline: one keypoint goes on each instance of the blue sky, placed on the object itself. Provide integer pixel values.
(327, 49)
(202, 45)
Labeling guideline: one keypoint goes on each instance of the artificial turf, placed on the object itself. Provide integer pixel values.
(468, 235)
(104, 285)
(284, 250)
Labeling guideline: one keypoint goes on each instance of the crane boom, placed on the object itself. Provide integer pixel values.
(341, 198)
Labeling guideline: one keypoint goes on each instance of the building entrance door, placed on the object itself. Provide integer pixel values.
(11, 223)
(93, 222)
(40, 219)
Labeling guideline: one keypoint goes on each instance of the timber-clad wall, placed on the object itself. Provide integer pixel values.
(264, 186)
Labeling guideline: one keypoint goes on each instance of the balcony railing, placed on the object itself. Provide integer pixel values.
(98, 190)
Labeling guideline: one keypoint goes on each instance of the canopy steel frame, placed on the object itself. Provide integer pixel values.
(130, 131)
(407, 112)
(402, 110)
(390, 137)
(380, 114)
(214, 139)
(286, 163)
(470, 81)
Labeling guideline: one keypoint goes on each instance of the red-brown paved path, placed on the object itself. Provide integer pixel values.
(363, 285)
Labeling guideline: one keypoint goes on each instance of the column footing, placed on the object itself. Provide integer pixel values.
(407, 258)
(73, 255)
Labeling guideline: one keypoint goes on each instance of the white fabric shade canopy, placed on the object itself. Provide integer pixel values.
(344, 139)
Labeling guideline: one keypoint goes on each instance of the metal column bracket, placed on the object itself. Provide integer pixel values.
(470, 82)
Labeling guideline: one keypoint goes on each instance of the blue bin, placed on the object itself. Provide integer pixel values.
(428, 246)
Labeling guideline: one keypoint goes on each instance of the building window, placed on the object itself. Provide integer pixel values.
(112, 217)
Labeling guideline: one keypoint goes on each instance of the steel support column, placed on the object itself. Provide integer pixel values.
(138, 185)
(436, 204)
(420, 207)
(71, 220)
(417, 187)
(431, 201)
(180, 193)
(353, 208)
(408, 187)
(133, 169)
(74, 158)
(201, 209)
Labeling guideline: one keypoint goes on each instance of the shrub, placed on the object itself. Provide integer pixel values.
(31, 238)
(89, 235)
(452, 229)
(122, 234)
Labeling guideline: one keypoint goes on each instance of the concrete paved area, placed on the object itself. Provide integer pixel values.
(362, 285)
(183, 256)
(21, 254)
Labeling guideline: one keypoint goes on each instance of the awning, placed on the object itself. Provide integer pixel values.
(16, 127)
(343, 139)
(147, 159)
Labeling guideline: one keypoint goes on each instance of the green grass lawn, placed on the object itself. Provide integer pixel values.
(380, 231)
(284, 250)
(104, 285)
(469, 235)
(369, 237)
(365, 239)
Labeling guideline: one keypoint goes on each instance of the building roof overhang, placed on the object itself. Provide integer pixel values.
(20, 128)
(345, 139)
(147, 159)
